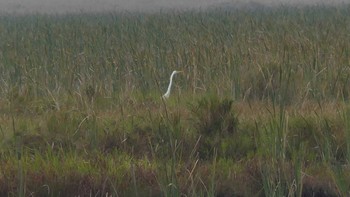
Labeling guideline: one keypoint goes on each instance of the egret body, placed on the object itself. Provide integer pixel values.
(167, 94)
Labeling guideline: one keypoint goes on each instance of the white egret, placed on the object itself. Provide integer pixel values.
(167, 94)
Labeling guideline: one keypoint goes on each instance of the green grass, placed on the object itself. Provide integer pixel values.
(262, 108)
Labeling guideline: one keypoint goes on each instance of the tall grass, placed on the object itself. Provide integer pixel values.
(262, 108)
(115, 53)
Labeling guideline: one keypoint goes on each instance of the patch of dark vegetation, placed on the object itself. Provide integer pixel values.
(216, 122)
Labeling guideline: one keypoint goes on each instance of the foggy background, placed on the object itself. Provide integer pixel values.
(68, 6)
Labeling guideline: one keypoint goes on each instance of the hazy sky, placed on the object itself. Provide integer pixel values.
(63, 6)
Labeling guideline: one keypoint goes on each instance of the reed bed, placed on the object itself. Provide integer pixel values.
(260, 110)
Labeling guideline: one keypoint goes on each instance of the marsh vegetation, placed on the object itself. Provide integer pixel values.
(262, 108)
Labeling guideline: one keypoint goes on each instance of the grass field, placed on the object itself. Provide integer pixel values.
(262, 108)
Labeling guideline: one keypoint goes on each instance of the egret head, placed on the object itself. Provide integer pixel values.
(177, 71)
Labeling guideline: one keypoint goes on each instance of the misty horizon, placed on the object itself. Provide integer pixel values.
(69, 6)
